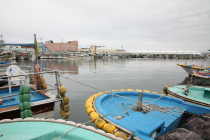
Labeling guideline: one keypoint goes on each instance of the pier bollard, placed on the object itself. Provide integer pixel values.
(139, 102)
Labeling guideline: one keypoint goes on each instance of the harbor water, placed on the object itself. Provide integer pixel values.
(99, 75)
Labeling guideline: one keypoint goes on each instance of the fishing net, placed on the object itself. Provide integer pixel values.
(199, 124)
(179, 134)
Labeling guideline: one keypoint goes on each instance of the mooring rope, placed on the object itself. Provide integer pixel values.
(83, 84)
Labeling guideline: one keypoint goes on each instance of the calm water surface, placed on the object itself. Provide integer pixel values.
(112, 74)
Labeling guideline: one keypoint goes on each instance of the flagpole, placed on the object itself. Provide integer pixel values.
(36, 59)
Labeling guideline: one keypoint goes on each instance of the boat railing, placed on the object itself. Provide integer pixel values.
(57, 77)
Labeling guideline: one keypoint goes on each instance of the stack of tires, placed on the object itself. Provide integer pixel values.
(64, 112)
(25, 104)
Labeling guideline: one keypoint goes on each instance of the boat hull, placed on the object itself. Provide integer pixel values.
(40, 111)
(189, 70)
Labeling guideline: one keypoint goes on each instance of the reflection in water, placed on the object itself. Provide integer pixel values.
(61, 65)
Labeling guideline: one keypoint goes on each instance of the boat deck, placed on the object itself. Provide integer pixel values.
(196, 92)
(143, 125)
(45, 131)
(14, 100)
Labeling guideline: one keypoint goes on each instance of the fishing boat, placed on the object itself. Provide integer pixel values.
(190, 68)
(52, 56)
(4, 64)
(198, 95)
(50, 129)
(59, 56)
(3, 57)
(140, 115)
(44, 56)
(204, 75)
(42, 100)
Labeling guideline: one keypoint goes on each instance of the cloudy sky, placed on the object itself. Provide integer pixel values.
(116, 24)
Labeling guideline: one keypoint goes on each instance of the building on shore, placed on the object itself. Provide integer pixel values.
(70, 46)
(91, 50)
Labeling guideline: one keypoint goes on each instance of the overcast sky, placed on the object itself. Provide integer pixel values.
(116, 24)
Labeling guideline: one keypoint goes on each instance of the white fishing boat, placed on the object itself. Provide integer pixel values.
(44, 56)
(59, 56)
(52, 57)
(190, 68)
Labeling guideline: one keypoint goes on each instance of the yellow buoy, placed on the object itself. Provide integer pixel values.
(100, 123)
(61, 113)
(130, 90)
(109, 128)
(32, 81)
(121, 135)
(121, 90)
(163, 94)
(93, 116)
(90, 110)
(89, 100)
(66, 100)
(147, 91)
(66, 108)
(62, 90)
(32, 76)
(91, 97)
(95, 95)
(66, 115)
(139, 90)
(43, 79)
(88, 104)
(114, 90)
(100, 93)
(165, 88)
(155, 92)
(61, 106)
(44, 86)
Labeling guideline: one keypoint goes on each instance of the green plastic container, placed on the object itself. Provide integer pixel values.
(21, 90)
(27, 105)
(26, 89)
(28, 113)
(21, 107)
(26, 97)
(22, 114)
(21, 98)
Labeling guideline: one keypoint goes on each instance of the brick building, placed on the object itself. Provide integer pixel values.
(71, 46)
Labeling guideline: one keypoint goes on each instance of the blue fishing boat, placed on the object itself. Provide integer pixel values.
(49, 129)
(140, 115)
